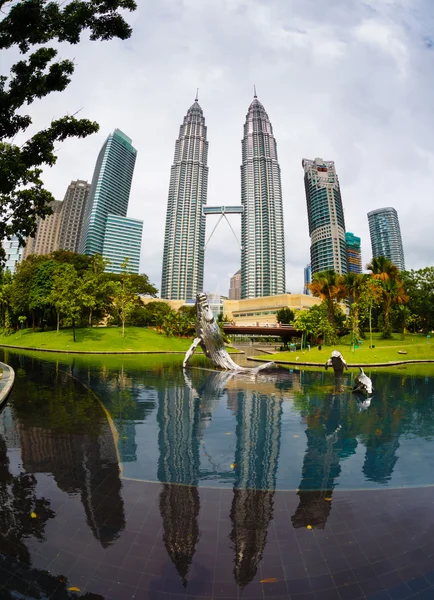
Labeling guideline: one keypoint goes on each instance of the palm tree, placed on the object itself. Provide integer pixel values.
(393, 291)
(326, 285)
(382, 269)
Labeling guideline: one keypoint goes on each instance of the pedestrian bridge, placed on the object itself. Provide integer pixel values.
(286, 332)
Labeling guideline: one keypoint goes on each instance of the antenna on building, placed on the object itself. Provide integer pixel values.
(254, 92)
(197, 95)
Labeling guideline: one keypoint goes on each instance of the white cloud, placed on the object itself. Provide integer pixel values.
(346, 81)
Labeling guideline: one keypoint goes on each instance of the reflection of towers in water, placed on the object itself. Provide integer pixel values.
(256, 459)
(83, 463)
(382, 441)
(178, 468)
(326, 446)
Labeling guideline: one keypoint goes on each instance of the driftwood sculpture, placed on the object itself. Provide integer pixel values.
(210, 339)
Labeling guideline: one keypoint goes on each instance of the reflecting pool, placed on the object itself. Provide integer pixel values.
(127, 477)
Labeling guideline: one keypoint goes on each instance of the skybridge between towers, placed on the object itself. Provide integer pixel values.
(222, 211)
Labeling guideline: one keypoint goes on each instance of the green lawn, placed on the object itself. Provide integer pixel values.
(417, 347)
(102, 339)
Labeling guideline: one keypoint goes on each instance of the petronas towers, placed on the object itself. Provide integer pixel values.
(262, 234)
(184, 242)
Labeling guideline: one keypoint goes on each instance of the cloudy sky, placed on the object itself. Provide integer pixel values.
(345, 80)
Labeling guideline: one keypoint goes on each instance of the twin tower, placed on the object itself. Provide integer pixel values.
(262, 233)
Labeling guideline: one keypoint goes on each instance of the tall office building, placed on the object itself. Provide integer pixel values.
(73, 208)
(307, 279)
(184, 240)
(235, 286)
(46, 238)
(325, 213)
(386, 235)
(262, 235)
(13, 253)
(107, 206)
(354, 254)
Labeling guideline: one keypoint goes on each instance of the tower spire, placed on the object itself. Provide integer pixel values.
(254, 92)
(197, 95)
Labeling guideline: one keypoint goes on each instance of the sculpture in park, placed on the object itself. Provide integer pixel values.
(338, 363)
(211, 341)
(363, 383)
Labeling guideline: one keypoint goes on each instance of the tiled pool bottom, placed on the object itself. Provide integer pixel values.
(151, 541)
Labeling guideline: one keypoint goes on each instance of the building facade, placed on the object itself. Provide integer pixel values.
(354, 253)
(307, 279)
(235, 286)
(325, 213)
(386, 235)
(122, 239)
(110, 190)
(73, 208)
(13, 253)
(46, 239)
(184, 239)
(263, 311)
(262, 234)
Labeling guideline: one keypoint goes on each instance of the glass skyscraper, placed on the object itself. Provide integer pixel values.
(386, 235)
(184, 240)
(13, 253)
(354, 254)
(107, 205)
(122, 239)
(325, 213)
(307, 280)
(262, 234)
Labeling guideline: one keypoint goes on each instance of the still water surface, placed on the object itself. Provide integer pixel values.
(82, 437)
(281, 430)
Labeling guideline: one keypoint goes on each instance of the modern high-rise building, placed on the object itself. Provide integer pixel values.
(46, 238)
(13, 253)
(354, 253)
(122, 239)
(307, 279)
(386, 235)
(73, 208)
(325, 213)
(107, 205)
(235, 286)
(262, 234)
(184, 240)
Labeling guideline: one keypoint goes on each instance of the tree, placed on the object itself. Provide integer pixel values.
(5, 302)
(28, 26)
(326, 285)
(157, 311)
(315, 322)
(393, 292)
(370, 297)
(124, 295)
(285, 316)
(419, 286)
(95, 287)
(40, 289)
(353, 285)
(65, 295)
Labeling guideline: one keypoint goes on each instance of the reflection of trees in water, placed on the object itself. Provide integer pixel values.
(330, 438)
(64, 431)
(178, 467)
(18, 500)
(256, 459)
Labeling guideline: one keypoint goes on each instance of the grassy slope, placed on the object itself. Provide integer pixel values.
(98, 339)
(417, 347)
